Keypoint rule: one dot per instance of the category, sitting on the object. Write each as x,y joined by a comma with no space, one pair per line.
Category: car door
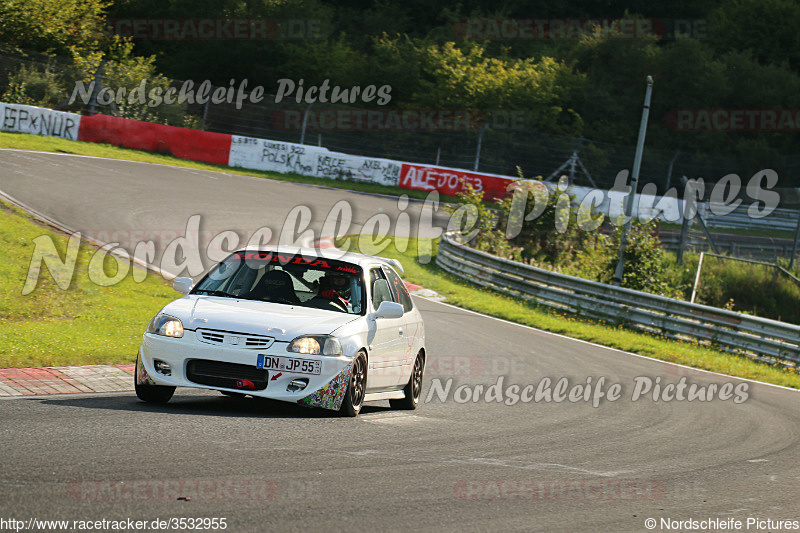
412,327
386,337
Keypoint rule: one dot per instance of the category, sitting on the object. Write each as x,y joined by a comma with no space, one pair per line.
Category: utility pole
637,163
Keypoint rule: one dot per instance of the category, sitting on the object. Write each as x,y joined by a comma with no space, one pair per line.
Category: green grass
89,324
468,296
86,324
25,141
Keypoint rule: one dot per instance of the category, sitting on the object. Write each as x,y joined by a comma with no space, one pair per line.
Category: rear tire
154,393
356,388
413,388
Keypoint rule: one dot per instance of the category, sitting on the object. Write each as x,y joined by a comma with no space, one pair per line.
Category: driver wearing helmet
335,287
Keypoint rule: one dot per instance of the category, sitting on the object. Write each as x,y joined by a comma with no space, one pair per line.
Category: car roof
362,260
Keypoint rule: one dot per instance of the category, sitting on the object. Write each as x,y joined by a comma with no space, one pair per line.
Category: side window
399,289
380,287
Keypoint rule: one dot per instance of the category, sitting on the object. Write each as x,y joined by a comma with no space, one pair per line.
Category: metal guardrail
672,318
739,218
767,249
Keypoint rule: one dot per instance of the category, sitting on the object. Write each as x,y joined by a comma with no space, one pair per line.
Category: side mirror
182,285
389,309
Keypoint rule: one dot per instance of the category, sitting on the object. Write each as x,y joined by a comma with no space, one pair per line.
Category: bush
749,288
478,223
552,234
645,260
35,86
548,232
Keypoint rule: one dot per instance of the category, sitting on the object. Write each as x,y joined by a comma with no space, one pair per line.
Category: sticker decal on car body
142,377
330,395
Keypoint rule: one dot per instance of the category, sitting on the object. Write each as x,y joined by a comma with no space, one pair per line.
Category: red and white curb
419,290
323,243
65,380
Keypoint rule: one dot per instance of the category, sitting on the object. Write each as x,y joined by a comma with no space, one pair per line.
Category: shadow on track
204,405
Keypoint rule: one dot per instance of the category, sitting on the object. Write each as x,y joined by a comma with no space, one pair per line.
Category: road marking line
538,466
653,359
398,420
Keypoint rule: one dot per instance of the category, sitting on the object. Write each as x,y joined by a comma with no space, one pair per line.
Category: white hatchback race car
296,326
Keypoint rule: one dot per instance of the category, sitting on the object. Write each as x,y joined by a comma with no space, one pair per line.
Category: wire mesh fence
497,150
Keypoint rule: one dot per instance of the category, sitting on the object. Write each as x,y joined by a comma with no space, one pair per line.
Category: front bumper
324,390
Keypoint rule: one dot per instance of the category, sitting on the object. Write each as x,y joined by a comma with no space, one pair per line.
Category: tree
466,78
765,28
53,26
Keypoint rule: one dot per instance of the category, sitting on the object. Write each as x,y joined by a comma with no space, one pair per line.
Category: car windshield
298,280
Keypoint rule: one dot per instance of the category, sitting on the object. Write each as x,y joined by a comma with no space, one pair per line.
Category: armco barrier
739,218
673,318
184,143
765,249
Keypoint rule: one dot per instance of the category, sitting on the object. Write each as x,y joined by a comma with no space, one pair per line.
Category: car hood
283,322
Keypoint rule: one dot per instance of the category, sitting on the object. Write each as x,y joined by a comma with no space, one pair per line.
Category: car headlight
316,345
165,325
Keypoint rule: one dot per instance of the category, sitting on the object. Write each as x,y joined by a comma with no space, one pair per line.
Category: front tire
413,388
356,388
154,393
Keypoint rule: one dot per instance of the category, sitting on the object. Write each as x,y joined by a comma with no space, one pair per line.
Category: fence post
480,141
796,238
305,120
707,232
98,74
205,112
669,170
697,277
684,232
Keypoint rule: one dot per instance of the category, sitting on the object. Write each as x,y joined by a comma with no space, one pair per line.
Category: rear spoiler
394,262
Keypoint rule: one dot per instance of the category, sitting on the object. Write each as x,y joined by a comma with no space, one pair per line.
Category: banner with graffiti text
451,181
39,121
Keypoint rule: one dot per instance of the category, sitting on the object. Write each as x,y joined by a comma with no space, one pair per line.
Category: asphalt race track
129,202
449,466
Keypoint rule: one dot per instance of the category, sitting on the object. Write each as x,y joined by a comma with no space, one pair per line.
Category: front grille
211,336
227,375
252,342
234,339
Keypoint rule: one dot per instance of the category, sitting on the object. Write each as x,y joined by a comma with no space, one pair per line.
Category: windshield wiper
211,292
